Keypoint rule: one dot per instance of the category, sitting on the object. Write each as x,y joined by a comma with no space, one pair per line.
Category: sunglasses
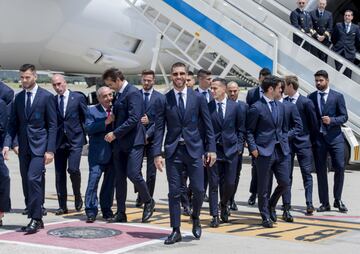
178,74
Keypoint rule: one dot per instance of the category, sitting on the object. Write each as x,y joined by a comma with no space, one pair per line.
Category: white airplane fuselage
79,37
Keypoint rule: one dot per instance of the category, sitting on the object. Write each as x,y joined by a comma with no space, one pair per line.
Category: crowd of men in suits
206,131
344,36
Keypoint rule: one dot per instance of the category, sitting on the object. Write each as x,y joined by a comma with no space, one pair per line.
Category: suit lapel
35,101
267,110
328,101
188,100
22,102
173,103
228,109
69,103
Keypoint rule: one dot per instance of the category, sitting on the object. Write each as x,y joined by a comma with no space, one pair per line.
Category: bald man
71,112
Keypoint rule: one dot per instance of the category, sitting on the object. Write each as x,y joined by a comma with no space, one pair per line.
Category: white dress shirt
33,93
207,93
183,94
223,106
66,99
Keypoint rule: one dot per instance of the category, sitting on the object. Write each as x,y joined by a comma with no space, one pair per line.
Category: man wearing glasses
184,148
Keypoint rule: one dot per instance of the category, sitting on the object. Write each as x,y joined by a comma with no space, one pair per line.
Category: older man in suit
152,101
184,148
253,96
346,40
33,120
71,111
129,140
268,143
331,115
323,24
229,128
99,122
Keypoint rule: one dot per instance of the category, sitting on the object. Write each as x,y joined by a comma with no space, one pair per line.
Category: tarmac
329,232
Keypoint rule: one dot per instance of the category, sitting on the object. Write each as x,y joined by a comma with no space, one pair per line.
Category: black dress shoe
25,212
1,223
323,208
187,211
266,223
341,206
34,226
252,199
61,211
174,237
287,216
44,211
78,203
119,217
90,219
148,210
196,228
138,202
224,213
273,216
215,222
309,209
233,206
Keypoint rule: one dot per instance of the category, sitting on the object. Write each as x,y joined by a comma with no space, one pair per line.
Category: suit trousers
106,191
128,165
175,165
336,152
279,164
237,178
5,204
67,158
221,176
150,169
305,159
253,182
32,171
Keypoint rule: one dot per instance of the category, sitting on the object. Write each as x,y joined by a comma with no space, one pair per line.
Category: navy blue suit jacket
346,44
72,124
37,132
253,95
263,132
335,108
128,110
3,121
309,120
100,151
6,93
157,100
293,123
322,24
196,110
229,133
301,20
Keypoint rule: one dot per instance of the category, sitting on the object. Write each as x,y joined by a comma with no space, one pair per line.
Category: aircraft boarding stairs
239,37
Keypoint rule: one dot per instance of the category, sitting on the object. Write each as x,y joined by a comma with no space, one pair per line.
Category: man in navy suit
331,115
152,101
229,128
190,80
268,143
99,121
33,120
6,93
322,23
253,96
300,145
232,90
5,205
301,19
346,39
129,140
71,112
204,80
184,148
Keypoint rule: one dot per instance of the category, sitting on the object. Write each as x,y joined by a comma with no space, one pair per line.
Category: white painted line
133,247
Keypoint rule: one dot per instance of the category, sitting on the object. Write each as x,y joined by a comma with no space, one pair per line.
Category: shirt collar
183,92
223,101
201,90
33,90
326,91
267,99
66,93
295,96
149,91
123,86
104,107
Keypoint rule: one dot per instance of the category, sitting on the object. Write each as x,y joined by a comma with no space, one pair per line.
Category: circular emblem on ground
84,232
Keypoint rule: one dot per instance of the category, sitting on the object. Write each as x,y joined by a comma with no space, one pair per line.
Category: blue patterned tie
273,110
146,100
322,102
220,112
28,104
205,95
181,105
61,105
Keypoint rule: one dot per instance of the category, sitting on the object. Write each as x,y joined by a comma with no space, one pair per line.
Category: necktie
146,100
322,102
347,28
321,14
108,112
61,105
273,110
181,105
28,104
205,95
292,100
220,112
